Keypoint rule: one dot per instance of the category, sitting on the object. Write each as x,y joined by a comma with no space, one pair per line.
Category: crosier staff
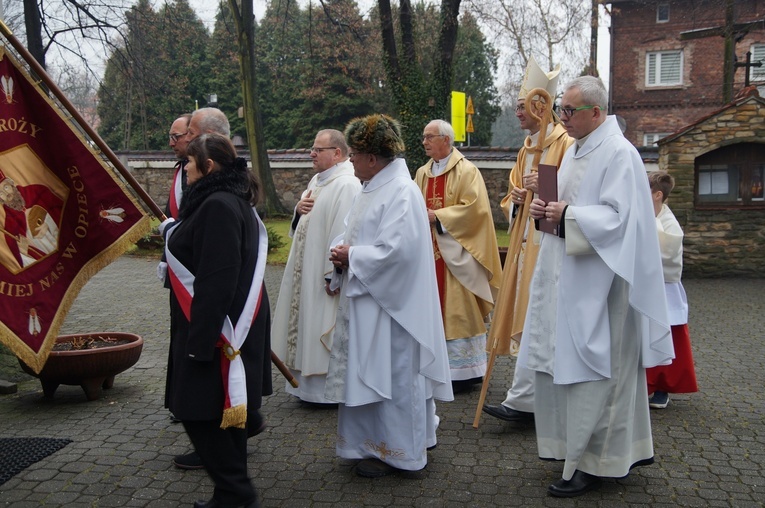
539,107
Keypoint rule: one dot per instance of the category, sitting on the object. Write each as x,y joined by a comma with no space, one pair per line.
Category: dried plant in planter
83,342
90,360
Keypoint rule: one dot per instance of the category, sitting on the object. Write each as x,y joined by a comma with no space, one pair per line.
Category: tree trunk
418,98
730,53
33,23
441,83
244,19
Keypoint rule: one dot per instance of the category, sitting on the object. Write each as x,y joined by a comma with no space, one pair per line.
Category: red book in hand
548,191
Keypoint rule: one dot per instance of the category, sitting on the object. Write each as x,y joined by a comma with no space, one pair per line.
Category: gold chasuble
466,253
513,298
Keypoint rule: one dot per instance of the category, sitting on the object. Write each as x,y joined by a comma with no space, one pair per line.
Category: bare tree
80,87
69,39
418,97
77,30
244,20
553,31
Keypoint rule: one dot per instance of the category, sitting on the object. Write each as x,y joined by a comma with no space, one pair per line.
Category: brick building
719,167
668,60
671,81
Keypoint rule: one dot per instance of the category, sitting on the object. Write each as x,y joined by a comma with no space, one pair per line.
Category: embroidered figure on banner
113,214
34,322
6,83
31,204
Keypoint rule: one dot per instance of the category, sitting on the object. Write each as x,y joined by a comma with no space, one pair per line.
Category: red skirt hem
680,375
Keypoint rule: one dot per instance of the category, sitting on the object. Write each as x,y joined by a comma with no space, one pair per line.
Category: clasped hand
551,212
518,194
338,255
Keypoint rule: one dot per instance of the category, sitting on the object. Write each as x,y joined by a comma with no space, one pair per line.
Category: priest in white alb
304,319
388,363
597,314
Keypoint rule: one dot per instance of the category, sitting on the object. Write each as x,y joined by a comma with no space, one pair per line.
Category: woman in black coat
216,239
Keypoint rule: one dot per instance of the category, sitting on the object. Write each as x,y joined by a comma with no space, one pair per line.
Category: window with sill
731,176
662,13
650,138
758,55
664,68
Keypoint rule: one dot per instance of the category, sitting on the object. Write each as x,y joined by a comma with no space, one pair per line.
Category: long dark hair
221,151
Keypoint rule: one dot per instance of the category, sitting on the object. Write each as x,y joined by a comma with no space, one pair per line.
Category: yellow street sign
458,115
469,127
470,110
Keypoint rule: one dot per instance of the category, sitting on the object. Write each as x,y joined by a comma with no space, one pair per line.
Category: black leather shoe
580,483
189,461
465,385
253,431
212,503
374,468
507,414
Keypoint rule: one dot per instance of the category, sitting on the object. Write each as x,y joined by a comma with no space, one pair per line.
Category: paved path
710,446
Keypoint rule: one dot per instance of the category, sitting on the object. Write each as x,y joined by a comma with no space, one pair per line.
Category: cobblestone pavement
710,446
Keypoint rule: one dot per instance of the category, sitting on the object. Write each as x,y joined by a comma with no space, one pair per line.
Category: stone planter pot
92,369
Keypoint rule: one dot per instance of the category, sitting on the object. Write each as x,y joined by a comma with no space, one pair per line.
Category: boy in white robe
680,376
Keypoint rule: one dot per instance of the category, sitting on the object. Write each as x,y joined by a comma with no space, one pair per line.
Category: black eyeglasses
428,137
175,137
569,112
318,149
519,108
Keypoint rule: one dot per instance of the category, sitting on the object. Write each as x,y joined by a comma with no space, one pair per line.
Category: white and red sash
231,337
176,191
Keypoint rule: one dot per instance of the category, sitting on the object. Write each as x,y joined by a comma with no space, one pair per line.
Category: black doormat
18,453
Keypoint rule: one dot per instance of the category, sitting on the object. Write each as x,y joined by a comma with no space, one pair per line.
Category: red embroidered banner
64,215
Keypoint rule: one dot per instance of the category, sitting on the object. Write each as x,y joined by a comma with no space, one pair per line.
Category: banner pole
43,76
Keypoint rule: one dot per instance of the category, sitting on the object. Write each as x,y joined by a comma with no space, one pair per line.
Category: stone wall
718,241
292,171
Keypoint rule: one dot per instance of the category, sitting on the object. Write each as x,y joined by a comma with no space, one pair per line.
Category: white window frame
758,55
650,138
714,180
659,8
657,56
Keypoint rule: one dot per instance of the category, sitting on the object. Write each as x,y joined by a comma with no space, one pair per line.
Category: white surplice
304,319
671,244
388,361
597,316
